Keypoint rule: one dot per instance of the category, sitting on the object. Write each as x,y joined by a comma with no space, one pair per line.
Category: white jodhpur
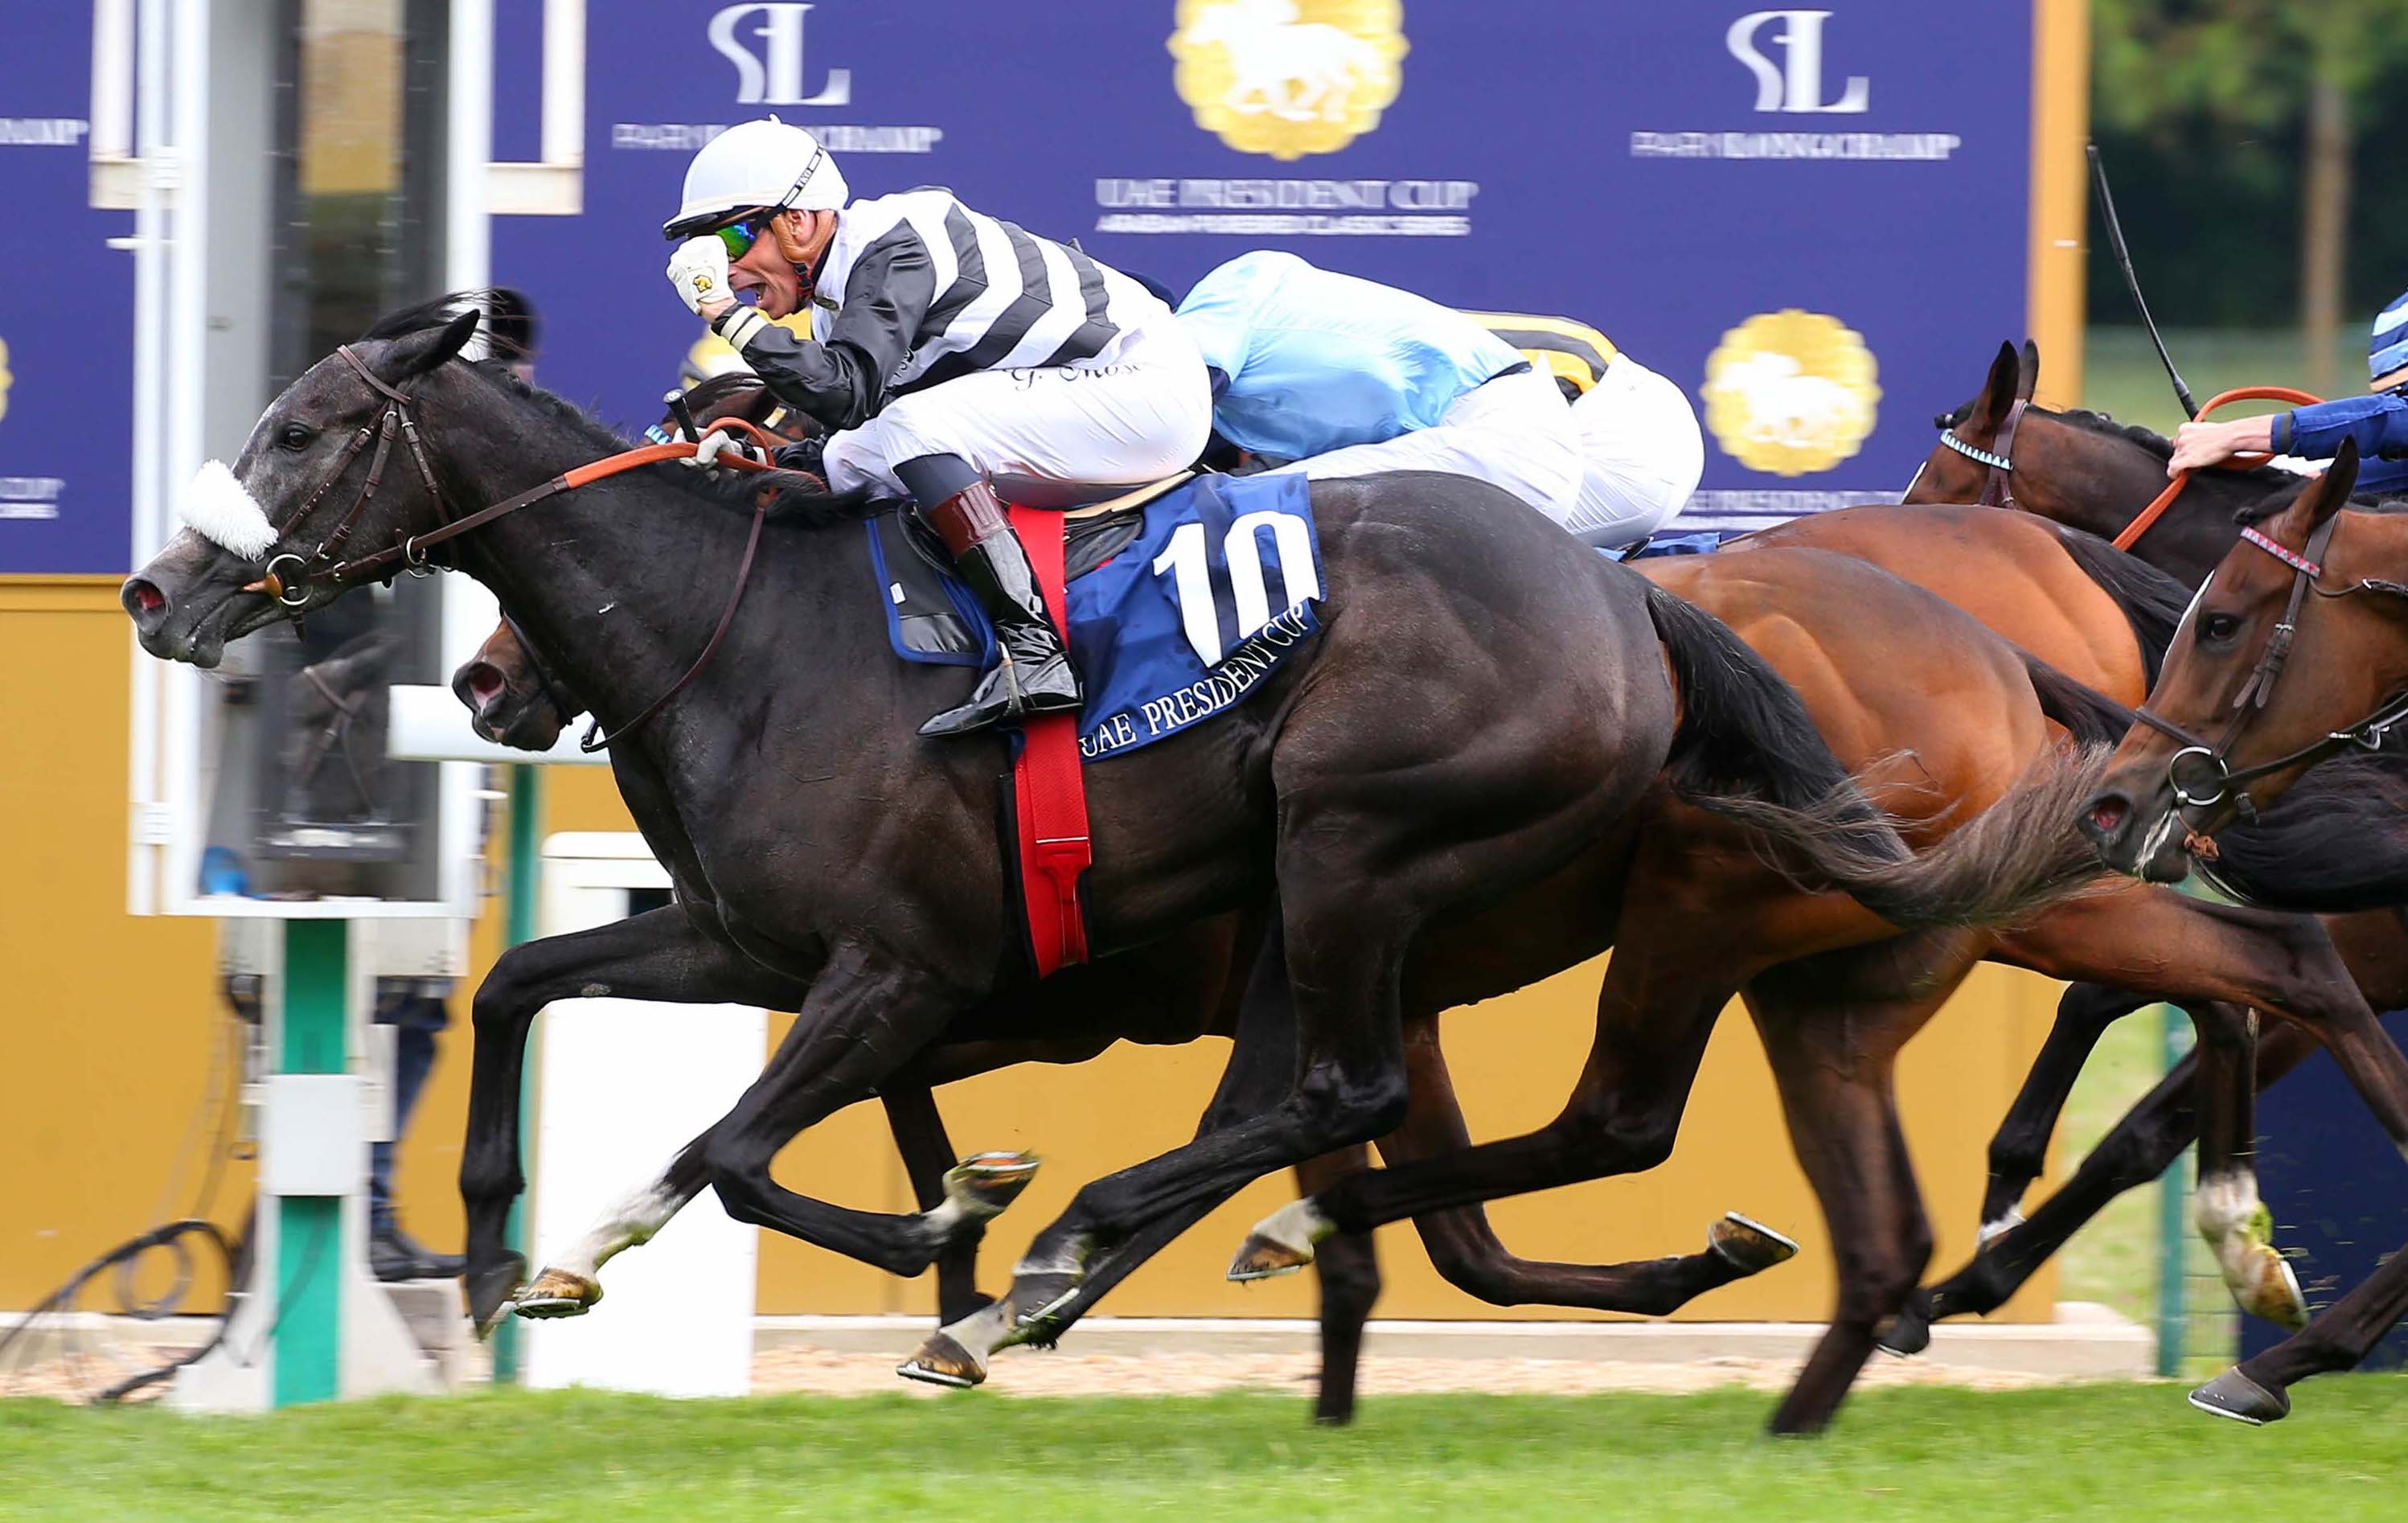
1515,432
1642,455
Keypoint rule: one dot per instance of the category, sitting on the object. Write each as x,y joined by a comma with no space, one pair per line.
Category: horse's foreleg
2339,1338
659,955
2136,1151
2019,1150
1349,1272
2161,943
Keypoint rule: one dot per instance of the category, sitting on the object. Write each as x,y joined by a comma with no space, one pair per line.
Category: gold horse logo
1288,78
1791,392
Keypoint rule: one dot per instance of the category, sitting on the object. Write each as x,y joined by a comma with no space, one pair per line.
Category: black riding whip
2132,282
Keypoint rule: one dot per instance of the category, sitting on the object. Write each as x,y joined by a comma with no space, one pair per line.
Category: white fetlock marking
1993,1230
631,1223
1298,1227
2228,1215
984,1332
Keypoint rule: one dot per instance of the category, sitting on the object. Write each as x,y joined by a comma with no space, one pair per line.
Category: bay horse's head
511,698
2081,469
2295,650
335,467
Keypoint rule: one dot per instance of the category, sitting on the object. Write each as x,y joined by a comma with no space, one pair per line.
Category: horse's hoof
489,1289
1036,1296
557,1293
2236,1396
1261,1258
985,1182
1748,1246
1908,1333
1282,1243
2270,1289
944,1362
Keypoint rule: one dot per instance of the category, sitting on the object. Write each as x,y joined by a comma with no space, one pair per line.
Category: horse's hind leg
1465,1250
1834,1057
2019,1150
659,955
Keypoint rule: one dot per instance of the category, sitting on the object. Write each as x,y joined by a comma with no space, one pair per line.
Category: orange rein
2156,507
585,475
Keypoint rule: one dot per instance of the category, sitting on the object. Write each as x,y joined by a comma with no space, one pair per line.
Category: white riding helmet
756,163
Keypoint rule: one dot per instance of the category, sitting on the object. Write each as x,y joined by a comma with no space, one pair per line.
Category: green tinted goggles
739,237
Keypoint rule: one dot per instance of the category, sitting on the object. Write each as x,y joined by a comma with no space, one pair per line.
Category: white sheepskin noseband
217,508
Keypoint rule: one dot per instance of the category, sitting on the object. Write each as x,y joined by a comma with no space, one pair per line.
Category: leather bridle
2213,776
409,554
1998,487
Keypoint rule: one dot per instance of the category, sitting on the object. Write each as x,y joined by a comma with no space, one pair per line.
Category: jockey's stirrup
1032,674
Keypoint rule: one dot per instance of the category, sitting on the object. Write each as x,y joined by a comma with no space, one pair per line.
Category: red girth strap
1048,784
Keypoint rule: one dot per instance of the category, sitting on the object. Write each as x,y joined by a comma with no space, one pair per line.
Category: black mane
801,497
2269,476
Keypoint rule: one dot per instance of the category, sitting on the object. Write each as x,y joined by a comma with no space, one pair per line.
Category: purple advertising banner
1815,222
66,325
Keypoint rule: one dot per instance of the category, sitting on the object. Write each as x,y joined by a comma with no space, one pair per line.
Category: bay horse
1886,993
2085,470
1477,712
2293,654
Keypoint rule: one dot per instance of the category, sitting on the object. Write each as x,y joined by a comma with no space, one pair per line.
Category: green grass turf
2122,1450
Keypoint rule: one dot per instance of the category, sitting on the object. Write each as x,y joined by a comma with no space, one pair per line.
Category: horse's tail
1747,749
2090,716
2153,602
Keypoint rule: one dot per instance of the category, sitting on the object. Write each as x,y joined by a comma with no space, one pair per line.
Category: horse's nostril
2106,815
485,683
144,598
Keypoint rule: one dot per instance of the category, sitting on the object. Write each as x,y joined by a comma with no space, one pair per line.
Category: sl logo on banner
1791,392
1288,78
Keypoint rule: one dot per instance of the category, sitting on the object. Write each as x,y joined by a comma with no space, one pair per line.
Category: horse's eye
2220,626
293,436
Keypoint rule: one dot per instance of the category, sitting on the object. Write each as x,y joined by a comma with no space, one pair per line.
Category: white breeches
1515,432
1643,454
1139,418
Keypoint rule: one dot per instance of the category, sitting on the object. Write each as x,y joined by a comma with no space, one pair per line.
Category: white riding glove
717,442
698,270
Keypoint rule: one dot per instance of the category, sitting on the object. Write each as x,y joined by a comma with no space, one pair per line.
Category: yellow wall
111,1020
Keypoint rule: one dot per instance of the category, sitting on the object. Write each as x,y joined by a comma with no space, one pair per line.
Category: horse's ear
2324,496
1999,392
415,353
2028,371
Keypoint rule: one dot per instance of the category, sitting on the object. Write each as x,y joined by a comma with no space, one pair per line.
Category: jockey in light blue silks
2377,421
1334,375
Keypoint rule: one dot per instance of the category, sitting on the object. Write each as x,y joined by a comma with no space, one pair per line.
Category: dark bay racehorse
2294,653
1830,1019
1480,710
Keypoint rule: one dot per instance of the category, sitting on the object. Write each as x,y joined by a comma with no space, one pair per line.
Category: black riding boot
1032,674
